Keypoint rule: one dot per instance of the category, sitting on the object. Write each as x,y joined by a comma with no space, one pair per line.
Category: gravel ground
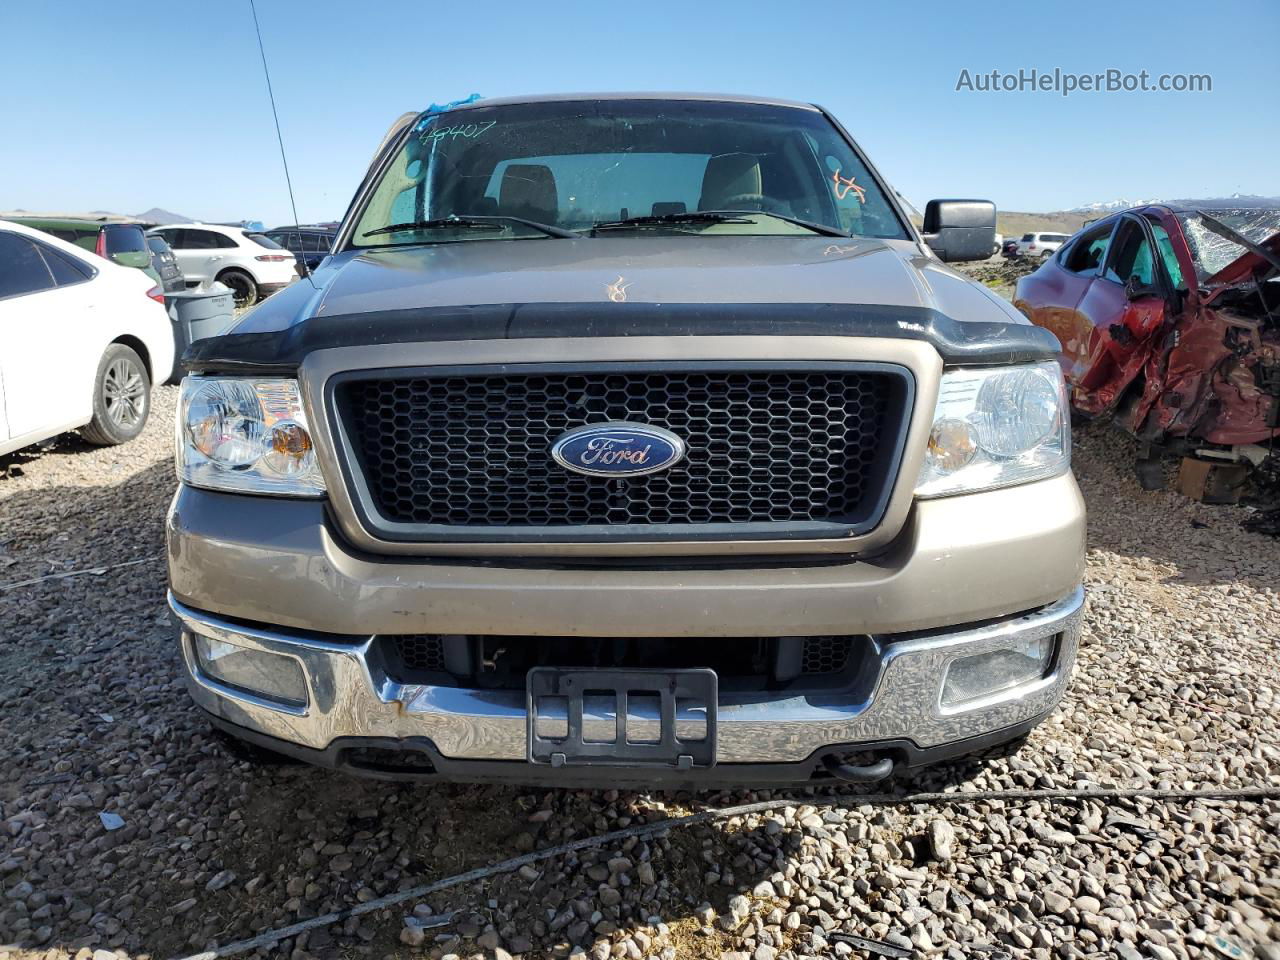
1176,686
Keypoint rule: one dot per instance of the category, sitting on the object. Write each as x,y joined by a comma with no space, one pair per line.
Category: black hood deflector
967,343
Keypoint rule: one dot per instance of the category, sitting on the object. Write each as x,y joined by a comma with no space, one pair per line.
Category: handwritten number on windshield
468,131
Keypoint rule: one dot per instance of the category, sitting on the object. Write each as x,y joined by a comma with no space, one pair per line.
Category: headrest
727,176
529,190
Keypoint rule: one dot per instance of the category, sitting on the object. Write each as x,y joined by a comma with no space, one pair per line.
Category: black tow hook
858,772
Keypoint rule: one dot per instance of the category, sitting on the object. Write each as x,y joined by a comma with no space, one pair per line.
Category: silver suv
1041,245
633,440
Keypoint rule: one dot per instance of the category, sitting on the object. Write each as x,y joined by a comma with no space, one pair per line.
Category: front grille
503,662
770,446
825,654
421,652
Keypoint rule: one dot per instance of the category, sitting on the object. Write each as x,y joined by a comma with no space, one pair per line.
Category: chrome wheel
124,393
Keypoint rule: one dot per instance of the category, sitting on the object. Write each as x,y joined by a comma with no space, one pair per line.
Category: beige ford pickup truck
629,439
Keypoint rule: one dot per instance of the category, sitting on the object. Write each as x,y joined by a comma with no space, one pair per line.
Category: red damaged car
1169,320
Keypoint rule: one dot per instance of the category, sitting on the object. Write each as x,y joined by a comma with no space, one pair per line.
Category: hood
654,270
628,287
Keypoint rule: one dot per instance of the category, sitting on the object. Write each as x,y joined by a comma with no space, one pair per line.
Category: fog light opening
983,675
268,676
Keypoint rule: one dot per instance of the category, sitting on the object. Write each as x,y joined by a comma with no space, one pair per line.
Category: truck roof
633,95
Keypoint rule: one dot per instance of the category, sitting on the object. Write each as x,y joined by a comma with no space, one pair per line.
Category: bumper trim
431,766
351,696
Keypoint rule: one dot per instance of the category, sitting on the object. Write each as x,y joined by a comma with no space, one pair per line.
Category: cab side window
1131,256
65,270
291,240
1088,251
22,269
203,240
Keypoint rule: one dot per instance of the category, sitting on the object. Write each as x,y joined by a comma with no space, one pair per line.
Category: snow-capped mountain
1109,206
1244,201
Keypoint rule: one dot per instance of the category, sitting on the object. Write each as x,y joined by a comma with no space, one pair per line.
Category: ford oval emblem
618,449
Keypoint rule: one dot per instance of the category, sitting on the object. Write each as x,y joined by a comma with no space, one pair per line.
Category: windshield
576,165
1211,251
263,240
124,239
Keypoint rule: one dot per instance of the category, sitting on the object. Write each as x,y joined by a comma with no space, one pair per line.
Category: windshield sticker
617,291
468,131
429,114
845,185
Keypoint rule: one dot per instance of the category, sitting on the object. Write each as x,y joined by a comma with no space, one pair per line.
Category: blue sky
134,104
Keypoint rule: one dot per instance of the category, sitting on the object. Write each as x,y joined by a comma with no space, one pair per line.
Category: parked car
165,264
120,242
310,243
1169,319
997,245
1040,244
253,265
629,440
81,341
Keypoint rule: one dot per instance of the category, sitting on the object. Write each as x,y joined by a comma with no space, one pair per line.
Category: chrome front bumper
350,696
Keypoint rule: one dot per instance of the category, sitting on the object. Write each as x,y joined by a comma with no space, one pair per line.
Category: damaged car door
1051,296
1124,309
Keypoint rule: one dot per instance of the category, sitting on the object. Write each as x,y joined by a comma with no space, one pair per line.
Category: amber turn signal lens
288,448
290,439
952,445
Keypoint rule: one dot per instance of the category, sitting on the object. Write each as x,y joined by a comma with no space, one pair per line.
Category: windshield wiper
485,222
694,216
715,216
822,228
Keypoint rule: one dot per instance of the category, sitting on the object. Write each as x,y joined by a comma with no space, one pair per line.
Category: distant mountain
160,215
154,215
1109,206
1011,223
1237,201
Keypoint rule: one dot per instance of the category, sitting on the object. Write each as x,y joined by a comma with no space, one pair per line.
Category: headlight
997,427
246,435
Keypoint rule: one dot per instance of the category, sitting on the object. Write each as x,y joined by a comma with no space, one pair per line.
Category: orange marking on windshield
845,186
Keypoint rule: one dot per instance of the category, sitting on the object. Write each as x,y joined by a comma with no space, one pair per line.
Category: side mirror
960,229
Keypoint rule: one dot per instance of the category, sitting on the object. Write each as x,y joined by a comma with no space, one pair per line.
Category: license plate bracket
660,718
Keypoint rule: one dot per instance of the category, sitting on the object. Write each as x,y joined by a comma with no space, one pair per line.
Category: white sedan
81,341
